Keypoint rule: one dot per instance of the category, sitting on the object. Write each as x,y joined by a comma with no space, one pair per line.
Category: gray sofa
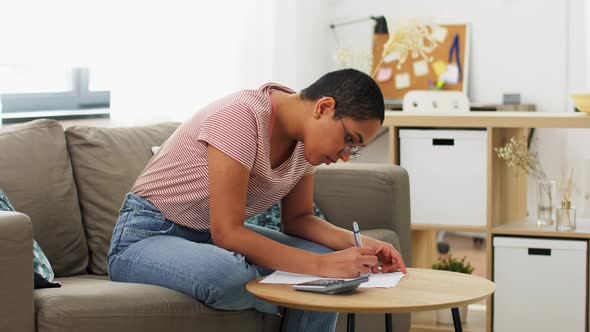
69,185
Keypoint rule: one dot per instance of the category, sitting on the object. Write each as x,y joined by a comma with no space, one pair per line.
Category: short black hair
356,94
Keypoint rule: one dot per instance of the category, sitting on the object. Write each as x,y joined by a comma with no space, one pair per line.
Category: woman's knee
225,286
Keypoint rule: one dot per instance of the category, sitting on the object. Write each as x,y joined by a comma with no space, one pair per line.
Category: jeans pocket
142,224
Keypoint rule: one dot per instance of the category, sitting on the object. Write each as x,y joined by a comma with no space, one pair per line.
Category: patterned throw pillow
41,264
271,218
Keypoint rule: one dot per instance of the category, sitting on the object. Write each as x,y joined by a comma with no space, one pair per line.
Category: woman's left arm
298,220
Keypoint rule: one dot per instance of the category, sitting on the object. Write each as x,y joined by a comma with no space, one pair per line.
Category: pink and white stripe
176,179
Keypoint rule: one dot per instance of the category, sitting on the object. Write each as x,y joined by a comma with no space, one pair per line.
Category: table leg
388,323
456,320
350,322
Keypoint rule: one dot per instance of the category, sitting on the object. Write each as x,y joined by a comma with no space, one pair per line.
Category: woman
182,226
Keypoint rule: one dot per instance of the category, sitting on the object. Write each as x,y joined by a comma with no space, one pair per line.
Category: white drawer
447,170
540,284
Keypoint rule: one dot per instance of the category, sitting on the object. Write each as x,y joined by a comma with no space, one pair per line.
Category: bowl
582,101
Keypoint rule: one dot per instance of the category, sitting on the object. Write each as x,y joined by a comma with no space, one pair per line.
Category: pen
357,234
357,240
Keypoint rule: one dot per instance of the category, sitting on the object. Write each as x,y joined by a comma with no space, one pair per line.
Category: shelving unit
506,191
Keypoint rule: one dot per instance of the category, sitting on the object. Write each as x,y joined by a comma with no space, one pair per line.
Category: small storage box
540,284
448,175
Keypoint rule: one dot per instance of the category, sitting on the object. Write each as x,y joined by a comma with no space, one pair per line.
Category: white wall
535,48
578,68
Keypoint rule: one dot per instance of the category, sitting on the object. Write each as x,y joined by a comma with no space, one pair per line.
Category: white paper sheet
377,280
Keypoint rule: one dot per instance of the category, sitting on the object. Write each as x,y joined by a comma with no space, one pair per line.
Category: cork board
394,82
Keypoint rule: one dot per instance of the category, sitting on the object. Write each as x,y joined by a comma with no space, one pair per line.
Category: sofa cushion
37,176
94,303
106,162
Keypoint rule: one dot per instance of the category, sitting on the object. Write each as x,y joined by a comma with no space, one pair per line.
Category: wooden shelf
487,119
426,321
450,228
528,227
506,191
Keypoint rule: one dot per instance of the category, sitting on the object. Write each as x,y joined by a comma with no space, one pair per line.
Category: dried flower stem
517,156
566,185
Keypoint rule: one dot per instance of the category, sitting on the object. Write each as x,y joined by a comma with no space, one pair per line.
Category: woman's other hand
389,258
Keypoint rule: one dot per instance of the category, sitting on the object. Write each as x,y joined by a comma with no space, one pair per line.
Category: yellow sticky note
439,67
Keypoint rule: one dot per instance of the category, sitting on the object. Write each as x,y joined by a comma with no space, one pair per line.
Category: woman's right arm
228,184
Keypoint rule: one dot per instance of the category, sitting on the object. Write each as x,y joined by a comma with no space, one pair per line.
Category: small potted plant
455,265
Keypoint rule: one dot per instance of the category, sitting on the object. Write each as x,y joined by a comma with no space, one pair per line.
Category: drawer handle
539,252
443,141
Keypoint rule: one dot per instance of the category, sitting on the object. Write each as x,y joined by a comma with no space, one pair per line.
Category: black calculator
330,286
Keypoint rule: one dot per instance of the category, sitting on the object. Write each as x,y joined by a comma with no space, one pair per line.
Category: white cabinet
540,284
447,170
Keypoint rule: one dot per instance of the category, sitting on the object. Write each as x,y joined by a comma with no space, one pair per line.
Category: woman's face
329,139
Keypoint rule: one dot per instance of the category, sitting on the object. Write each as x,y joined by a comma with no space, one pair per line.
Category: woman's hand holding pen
347,263
390,260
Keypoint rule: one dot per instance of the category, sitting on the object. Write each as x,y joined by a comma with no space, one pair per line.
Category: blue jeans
147,248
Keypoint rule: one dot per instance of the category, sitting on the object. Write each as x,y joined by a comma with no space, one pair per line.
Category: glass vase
545,202
565,216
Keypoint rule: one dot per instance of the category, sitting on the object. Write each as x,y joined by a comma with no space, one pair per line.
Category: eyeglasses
350,150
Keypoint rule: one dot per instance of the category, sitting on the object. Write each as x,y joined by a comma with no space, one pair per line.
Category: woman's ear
325,106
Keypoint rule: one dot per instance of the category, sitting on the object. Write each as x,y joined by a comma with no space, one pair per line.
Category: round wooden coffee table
419,290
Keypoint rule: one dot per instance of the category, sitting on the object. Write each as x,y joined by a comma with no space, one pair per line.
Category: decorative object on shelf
545,202
435,101
582,101
565,214
454,265
518,157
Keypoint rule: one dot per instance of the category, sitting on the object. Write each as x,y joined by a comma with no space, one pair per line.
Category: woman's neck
288,117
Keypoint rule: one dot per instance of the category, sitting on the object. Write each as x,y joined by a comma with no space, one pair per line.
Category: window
34,91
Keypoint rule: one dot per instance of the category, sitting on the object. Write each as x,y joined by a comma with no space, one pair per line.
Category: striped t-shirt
176,179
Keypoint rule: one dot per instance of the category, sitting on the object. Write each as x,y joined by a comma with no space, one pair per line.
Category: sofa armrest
16,272
377,196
